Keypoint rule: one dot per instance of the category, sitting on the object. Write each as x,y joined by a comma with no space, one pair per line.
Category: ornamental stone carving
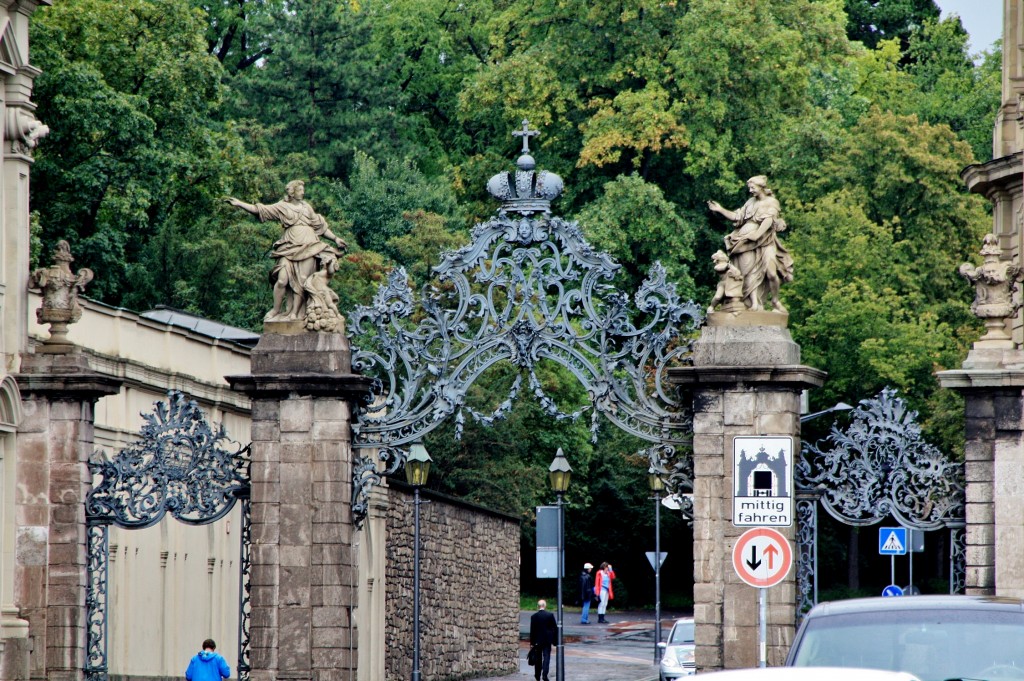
995,282
302,259
24,130
754,247
60,288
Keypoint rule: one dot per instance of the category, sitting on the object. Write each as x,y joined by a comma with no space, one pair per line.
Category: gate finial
526,191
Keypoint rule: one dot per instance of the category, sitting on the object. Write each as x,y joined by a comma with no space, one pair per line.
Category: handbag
533,657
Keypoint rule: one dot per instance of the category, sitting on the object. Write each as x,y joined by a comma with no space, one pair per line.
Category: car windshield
933,645
682,632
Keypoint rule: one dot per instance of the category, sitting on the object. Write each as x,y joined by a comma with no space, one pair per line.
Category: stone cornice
351,387
71,387
997,174
967,380
793,377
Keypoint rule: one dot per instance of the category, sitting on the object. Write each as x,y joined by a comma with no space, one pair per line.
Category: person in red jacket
603,590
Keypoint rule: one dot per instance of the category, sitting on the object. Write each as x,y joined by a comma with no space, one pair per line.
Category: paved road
622,650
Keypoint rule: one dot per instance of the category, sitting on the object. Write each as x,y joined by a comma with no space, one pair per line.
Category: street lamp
841,406
417,469
559,473
657,485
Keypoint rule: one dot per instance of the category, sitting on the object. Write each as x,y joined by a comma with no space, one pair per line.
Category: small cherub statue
995,282
729,293
321,301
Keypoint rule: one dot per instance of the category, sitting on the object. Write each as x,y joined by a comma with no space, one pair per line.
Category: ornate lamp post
559,473
417,469
657,485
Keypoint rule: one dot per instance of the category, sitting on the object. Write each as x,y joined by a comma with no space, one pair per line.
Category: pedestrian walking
586,592
543,634
603,590
207,664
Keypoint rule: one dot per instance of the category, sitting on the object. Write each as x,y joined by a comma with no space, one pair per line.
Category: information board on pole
763,481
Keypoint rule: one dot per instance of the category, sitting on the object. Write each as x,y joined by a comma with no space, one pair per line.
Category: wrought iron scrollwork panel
98,547
527,289
881,466
182,466
807,554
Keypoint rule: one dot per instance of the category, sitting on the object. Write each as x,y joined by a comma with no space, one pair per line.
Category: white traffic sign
762,481
762,557
650,559
892,541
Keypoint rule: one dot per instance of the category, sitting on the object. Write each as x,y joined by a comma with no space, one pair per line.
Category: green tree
872,21
326,91
135,157
633,222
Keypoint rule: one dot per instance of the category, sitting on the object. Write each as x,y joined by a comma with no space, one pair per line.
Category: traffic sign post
762,558
892,542
763,481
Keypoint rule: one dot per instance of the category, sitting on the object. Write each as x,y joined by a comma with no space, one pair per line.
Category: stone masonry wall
469,589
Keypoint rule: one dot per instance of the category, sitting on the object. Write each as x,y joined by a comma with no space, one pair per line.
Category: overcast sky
983,19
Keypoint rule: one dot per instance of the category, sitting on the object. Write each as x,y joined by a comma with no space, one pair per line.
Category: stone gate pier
304,562
746,379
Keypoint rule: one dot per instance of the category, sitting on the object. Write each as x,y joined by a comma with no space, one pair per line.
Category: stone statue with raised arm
754,247
299,252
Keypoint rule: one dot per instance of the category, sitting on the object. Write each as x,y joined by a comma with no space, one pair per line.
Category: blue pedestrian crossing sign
892,541
892,590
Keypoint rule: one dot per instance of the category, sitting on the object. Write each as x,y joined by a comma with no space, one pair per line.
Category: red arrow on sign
770,552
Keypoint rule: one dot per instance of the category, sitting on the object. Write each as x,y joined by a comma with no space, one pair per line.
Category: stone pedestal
746,381
304,564
992,383
55,441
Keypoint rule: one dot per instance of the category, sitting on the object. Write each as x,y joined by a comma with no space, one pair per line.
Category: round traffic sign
762,557
892,590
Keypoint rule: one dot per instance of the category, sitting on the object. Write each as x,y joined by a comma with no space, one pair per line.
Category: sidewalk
622,650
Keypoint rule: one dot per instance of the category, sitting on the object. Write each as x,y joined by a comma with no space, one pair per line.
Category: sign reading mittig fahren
763,481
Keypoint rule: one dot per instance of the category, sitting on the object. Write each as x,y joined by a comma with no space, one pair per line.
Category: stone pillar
372,587
304,564
992,383
746,379
55,441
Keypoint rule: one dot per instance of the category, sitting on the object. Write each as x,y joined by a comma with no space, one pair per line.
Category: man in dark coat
586,592
543,633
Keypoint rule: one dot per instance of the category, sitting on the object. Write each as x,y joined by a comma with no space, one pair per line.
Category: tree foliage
861,113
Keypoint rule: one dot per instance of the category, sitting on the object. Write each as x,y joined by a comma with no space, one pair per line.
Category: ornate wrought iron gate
528,288
180,465
879,466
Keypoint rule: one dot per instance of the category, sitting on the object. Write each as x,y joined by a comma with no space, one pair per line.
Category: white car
677,652
934,637
809,674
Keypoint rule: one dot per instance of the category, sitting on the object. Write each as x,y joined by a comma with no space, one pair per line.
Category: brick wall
469,589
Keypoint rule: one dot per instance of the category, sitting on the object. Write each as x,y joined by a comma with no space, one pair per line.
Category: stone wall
469,588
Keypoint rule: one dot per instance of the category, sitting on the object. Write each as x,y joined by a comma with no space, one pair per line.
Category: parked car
934,637
809,674
677,651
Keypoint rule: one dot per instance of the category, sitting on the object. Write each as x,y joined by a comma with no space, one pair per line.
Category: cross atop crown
526,134
525,191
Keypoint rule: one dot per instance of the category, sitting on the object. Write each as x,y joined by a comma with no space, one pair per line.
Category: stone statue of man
298,252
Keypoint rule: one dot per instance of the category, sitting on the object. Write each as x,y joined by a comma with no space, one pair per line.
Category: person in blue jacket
207,664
